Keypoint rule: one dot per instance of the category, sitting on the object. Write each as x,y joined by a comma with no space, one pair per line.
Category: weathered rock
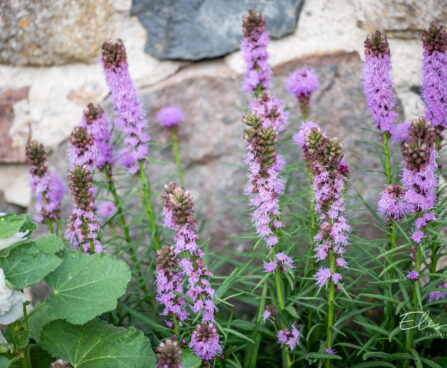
199,29
10,151
211,144
399,18
42,32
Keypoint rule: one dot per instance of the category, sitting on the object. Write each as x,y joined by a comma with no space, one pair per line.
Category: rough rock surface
48,32
199,29
211,144
10,151
399,18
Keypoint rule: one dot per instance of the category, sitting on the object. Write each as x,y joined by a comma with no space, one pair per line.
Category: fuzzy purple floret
271,110
131,117
170,116
106,209
302,82
392,203
205,342
412,275
255,54
378,85
438,294
95,121
290,337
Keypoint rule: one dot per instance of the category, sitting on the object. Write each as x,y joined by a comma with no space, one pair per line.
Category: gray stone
199,29
47,32
399,18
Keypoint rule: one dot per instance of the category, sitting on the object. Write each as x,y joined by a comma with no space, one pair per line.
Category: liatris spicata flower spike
258,74
271,111
392,202
179,215
131,116
419,173
264,183
437,295
169,354
170,116
377,82
324,158
434,75
302,83
169,283
94,120
205,341
83,229
291,338
82,149
49,189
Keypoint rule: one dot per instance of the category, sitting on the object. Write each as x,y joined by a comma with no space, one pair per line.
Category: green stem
27,362
112,189
331,307
50,221
175,326
387,158
281,301
174,138
149,210
415,302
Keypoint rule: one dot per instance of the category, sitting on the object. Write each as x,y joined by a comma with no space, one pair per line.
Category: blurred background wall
184,52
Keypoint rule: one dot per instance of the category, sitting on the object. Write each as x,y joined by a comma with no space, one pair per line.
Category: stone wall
50,72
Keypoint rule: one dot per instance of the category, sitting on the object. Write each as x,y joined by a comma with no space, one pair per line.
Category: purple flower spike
377,82
179,216
49,189
83,229
271,110
170,116
82,149
258,73
302,83
131,118
291,338
95,122
264,184
434,75
205,342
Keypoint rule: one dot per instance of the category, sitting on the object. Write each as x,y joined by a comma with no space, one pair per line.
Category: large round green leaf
86,286
26,265
97,345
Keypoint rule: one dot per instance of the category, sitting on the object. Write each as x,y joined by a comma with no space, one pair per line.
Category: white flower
6,242
11,302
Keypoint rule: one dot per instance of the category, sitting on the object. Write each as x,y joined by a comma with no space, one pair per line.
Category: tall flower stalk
179,216
420,178
434,94
378,90
325,158
49,189
258,74
130,120
83,229
263,188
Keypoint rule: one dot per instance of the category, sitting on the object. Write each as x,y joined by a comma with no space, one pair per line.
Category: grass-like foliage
134,285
